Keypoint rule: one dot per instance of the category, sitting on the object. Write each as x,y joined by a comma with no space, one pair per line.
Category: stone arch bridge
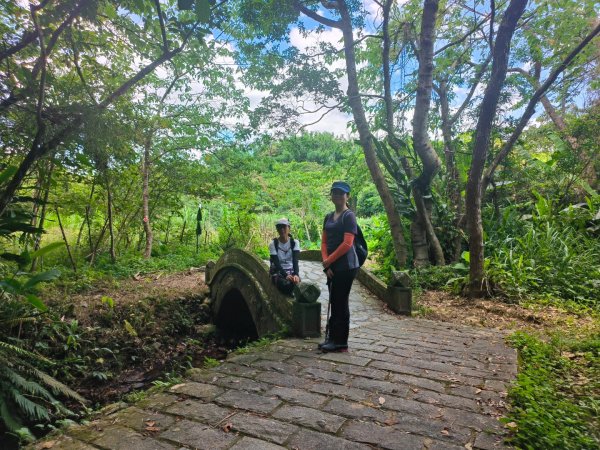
405,384
246,304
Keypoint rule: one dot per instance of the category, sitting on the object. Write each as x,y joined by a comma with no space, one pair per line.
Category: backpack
292,244
272,268
360,244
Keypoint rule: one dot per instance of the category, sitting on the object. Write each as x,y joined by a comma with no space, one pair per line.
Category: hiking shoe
331,347
321,344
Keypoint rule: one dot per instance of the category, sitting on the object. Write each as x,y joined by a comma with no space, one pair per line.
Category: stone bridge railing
246,304
397,295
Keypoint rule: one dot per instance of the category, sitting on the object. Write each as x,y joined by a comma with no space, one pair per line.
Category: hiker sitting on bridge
284,251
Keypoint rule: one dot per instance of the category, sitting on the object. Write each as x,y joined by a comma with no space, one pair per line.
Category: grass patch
210,362
556,397
258,344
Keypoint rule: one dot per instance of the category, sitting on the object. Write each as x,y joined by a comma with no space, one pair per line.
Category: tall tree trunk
109,212
421,143
168,229
421,239
88,211
98,241
182,234
64,235
38,239
85,219
453,181
481,145
366,139
145,197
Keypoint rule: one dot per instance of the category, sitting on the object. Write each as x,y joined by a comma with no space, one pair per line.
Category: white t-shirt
284,253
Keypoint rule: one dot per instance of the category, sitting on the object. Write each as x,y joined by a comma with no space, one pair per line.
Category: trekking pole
327,323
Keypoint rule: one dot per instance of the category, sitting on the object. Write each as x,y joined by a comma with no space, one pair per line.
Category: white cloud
309,40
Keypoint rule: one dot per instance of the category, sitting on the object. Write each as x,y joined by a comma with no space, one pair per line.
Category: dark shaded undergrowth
104,349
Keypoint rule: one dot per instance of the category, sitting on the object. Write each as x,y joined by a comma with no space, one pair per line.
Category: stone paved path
365,308
405,384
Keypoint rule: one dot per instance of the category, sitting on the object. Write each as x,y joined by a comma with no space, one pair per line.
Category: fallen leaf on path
415,390
153,429
227,427
468,446
48,444
150,423
511,425
381,400
445,432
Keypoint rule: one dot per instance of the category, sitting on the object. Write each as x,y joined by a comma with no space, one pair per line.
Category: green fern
57,387
32,410
10,420
28,395
9,323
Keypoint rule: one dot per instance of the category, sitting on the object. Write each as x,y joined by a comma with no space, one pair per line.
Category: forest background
469,127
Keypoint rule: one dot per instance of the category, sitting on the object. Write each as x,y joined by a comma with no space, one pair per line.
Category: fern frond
8,360
57,387
19,320
61,409
26,386
30,409
21,351
10,420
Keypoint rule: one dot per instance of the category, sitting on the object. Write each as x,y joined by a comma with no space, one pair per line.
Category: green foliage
555,398
210,362
259,343
28,395
547,255
438,277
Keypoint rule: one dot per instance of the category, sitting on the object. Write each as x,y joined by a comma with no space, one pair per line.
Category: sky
335,122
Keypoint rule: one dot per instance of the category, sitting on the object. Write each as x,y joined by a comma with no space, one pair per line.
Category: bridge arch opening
234,319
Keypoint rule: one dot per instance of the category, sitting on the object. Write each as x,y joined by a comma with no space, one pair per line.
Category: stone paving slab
404,384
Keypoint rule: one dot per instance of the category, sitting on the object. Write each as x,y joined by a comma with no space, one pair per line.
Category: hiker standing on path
340,264
284,251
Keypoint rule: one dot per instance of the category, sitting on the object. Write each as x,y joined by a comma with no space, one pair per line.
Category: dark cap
341,185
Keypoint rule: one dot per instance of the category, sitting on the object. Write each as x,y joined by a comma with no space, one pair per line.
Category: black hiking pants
339,291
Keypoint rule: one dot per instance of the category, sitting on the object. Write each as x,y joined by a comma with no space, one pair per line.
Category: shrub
549,410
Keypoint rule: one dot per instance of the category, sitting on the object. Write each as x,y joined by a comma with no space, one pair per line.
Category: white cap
283,221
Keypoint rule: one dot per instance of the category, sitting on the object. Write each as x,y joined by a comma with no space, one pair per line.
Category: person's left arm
349,223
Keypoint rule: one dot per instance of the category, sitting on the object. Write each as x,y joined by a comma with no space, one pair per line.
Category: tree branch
313,15
163,32
529,111
476,82
39,150
463,37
